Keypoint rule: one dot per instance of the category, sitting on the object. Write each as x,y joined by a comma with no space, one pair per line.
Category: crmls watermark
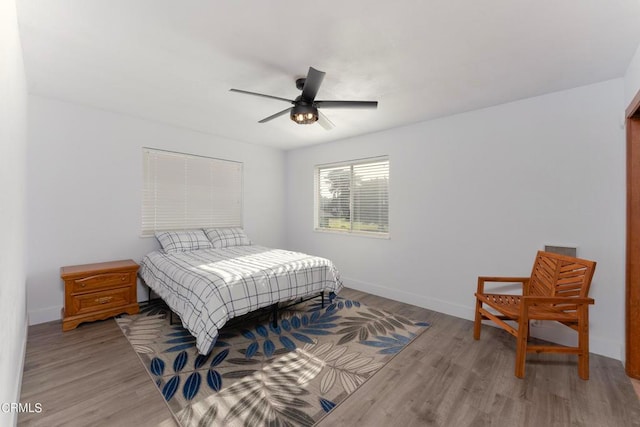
13,407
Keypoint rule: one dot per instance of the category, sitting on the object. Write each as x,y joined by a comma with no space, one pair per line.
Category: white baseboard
554,333
43,315
423,301
559,334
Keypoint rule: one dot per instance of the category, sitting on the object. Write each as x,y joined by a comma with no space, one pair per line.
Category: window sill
384,236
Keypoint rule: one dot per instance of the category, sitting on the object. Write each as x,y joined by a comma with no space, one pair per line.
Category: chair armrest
488,279
503,279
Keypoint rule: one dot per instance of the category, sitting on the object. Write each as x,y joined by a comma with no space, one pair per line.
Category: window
183,191
353,197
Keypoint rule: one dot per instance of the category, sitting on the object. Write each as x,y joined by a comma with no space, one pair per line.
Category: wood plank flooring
91,377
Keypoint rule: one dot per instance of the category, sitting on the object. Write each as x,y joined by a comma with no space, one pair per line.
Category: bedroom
460,178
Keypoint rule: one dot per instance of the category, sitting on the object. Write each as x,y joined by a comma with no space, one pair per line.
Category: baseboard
423,301
561,335
554,333
43,315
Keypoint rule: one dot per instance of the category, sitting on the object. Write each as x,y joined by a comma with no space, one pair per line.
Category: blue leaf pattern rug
292,374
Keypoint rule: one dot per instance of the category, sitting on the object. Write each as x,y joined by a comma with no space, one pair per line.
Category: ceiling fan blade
261,94
281,113
312,84
346,104
324,121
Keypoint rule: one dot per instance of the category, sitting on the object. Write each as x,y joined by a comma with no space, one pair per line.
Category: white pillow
227,237
181,241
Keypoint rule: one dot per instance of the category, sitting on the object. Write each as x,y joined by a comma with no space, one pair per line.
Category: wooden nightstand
98,291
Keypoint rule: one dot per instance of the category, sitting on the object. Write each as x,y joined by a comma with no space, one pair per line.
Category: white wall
13,142
85,183
632,78
477,194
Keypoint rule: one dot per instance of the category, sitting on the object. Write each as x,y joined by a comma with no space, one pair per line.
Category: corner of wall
21,358
632,78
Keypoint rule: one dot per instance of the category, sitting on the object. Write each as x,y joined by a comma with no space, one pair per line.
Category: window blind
371,197
353,196
183,191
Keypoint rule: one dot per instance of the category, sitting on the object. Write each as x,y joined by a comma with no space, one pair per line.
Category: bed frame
273,307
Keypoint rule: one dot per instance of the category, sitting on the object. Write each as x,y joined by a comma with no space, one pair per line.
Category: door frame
632,297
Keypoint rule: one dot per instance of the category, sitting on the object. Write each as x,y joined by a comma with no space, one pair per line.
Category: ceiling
175,61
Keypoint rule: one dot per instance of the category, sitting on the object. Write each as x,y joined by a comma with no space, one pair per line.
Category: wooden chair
557,290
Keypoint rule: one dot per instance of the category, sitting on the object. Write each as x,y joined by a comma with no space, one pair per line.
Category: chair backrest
558,275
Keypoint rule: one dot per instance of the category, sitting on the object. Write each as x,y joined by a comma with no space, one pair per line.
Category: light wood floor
91,377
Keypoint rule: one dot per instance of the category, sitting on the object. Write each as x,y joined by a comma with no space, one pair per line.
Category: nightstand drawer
98,291
100,281
96,301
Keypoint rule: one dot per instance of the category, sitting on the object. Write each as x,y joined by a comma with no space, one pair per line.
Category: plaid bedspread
208,287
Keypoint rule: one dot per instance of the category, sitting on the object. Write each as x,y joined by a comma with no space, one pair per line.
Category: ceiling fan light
304,114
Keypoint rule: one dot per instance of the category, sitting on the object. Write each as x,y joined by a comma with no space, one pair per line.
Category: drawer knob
123,278
103,300
82,285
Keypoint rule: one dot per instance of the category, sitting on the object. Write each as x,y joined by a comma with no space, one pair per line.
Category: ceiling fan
305,106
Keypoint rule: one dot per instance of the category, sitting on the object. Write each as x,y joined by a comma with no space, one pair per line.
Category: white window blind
183,191
353,196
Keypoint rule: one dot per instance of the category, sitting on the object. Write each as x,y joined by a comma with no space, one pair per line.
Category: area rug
292,374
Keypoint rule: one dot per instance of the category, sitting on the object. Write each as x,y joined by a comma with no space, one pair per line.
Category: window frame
317,197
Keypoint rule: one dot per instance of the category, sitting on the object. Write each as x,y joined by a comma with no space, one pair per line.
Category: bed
210,276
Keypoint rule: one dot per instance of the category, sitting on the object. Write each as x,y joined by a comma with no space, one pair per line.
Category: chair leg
477,325
521,346
583,342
